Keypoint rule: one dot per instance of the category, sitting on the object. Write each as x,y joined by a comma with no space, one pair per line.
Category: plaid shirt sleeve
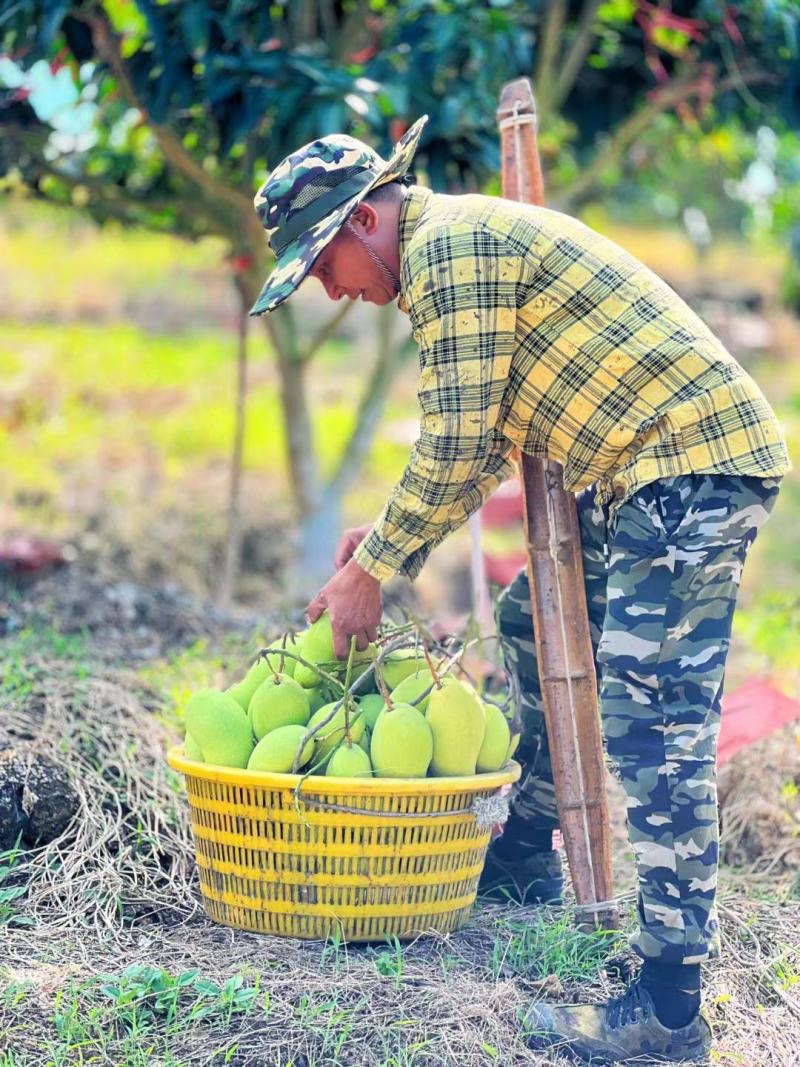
461,292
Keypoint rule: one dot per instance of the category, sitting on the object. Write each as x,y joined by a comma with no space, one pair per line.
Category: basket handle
487,810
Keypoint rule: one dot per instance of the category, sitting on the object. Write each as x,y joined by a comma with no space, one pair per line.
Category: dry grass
116,896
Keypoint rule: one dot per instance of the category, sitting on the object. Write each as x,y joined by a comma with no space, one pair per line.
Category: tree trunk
318,509
298,428
317,538
233,541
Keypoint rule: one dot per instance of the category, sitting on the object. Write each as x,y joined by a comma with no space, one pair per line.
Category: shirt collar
414,203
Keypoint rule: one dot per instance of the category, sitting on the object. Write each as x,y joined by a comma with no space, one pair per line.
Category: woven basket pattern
364,860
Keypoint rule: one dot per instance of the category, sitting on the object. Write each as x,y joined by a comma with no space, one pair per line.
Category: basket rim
321,784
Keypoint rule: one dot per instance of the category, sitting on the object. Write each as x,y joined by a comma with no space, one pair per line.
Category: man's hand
349,542
352,599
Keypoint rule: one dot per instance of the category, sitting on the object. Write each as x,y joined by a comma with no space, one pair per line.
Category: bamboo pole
558,596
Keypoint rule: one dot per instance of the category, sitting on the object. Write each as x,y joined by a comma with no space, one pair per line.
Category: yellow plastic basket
363,859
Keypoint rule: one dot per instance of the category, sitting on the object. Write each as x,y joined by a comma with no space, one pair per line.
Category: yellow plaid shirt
535,331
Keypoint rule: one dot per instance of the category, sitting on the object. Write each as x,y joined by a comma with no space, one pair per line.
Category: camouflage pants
661,586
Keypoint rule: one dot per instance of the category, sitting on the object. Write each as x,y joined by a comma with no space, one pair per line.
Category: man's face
346,268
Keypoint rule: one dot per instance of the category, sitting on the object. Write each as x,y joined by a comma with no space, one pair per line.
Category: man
536,332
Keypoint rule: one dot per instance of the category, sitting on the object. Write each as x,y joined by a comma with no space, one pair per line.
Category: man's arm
497,469
462,302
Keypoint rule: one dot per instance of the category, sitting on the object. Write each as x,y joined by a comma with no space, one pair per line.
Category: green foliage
11,888
27,656
238,86
550,945
772,626
135,1014
390,962
142,994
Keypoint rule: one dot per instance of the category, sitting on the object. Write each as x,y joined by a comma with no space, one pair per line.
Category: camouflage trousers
661,582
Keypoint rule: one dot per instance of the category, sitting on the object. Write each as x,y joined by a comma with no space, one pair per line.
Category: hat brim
297,259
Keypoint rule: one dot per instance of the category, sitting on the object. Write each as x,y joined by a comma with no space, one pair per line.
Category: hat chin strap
387,271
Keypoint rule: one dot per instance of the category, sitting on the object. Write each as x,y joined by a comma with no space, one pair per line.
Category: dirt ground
108,957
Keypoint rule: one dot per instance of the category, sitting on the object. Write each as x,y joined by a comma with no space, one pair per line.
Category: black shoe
538,878
622,1030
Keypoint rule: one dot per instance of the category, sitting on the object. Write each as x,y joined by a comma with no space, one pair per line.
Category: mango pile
291,711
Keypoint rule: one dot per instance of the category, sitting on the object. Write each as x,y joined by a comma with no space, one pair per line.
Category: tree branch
233,539
634,126
328,329
370,408
107,44
578,51
547,54
351,31
128,209
297,425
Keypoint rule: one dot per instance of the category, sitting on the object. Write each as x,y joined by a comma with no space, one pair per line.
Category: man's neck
392,216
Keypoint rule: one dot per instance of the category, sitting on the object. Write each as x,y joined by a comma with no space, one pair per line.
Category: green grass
96,403
135,1018
390,962
11,888
550,945
27,655
91,272
131,1018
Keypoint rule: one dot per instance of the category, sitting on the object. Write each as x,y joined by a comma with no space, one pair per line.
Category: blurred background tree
168,115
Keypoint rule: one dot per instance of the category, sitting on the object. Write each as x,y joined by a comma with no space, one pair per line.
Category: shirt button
619,491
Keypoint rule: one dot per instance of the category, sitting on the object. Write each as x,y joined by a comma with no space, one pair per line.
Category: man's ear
365,218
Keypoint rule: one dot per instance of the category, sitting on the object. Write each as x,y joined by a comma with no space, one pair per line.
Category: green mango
349,761
400,664
275,703
496,741
276,751
458,721
365,740
324,693
371,706
410,690
316,646
332,734
512,748
243,690
402,743
191,749
289,664
264,667
220,727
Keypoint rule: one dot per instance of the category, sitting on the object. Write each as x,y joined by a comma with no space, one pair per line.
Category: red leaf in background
397,127
729,24
363,55
651,18
239,264
503,508
753,711
657,68
25,554
61,59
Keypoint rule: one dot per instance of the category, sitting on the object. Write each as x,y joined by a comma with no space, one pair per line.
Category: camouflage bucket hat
308,197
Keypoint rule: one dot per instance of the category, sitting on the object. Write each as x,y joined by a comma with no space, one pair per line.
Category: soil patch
123,621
